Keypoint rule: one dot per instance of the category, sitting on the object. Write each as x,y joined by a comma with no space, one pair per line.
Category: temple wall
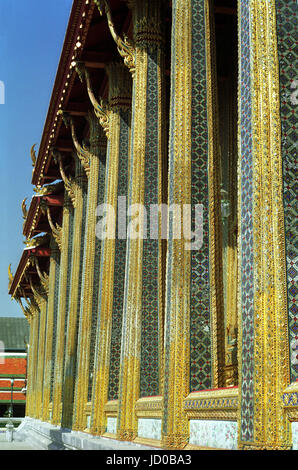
129,337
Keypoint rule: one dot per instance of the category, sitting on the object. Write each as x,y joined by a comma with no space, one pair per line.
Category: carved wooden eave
87,40
20,286
77,27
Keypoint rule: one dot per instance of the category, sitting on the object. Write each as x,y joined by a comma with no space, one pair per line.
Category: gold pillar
177,354
30,359
89,306
50,325
119,104
34,356
41,298
269,426
65,274
80,190
147,157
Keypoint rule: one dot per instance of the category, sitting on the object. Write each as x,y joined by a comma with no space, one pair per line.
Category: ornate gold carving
31,309
82,152
37,241
24,209
221,404
65,256
175,423
33,155
271,347
48,189
44,277
10,277
130,366
149,407
56,228
290,401
100,107
125,47
215,251
83,367
117,89
69,182
49,360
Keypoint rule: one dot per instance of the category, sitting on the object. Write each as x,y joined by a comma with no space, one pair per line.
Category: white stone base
111,425
214,434
149,428
45,436
295,435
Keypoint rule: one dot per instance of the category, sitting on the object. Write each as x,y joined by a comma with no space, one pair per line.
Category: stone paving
4,445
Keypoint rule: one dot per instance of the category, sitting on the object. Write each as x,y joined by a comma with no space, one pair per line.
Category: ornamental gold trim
148,442
125,47
149,407
221,404
290,402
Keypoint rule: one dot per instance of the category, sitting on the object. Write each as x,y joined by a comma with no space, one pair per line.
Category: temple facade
158,274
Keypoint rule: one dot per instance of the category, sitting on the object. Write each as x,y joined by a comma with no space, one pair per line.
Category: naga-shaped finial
33,155
10,276
125,47
24,209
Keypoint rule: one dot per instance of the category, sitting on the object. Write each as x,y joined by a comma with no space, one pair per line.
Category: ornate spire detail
100,107
33,155
69,182
125,47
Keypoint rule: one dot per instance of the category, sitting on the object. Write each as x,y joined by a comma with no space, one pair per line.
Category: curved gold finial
100,108
10,276
125,47
44,277
82,152
24,209
33,155
69,183
56,229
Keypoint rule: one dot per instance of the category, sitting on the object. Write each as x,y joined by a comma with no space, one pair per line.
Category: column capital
120,85
147,23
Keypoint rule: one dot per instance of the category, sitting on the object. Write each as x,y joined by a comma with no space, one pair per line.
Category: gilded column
41,298
288,90
64,294
29,367
113,248
80,196
51,327
264,357
90,289
194,333
141,350
34,356
30,359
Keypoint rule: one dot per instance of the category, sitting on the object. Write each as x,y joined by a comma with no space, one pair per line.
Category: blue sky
31,39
